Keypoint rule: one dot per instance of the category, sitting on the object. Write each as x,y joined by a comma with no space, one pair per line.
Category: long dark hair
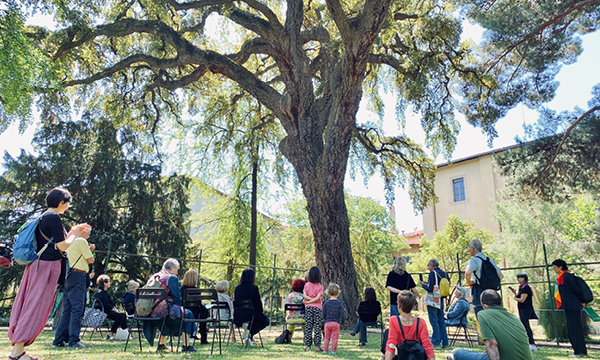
370,295
248,276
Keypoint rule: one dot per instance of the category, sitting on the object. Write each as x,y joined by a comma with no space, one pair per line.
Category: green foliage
372,236
533,168
126,200
24,69
221,229
451,242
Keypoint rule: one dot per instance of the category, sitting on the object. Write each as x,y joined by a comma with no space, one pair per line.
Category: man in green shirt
504,335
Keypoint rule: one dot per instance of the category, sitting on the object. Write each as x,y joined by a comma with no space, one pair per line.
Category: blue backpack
24,250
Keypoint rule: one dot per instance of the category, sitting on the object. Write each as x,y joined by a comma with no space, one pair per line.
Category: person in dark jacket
568,296
120,319
128,299
246,290
524,298
460,306
373,308
436,315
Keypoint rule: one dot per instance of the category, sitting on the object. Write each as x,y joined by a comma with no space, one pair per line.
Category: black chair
156,295
458,327
292,307
246,304
194,297
217,307
378,323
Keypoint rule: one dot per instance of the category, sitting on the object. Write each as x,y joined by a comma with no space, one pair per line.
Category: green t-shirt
497,323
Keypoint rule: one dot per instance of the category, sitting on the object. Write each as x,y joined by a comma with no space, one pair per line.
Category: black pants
575,331
525,315
120,320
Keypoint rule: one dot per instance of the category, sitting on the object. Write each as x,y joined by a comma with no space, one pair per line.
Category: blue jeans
190,327
69,325
438,325
362,326
464,354
394,310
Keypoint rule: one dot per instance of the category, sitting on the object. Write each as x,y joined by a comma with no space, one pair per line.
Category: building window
459,189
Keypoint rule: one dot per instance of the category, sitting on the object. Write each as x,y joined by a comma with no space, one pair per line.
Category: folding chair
246,304
216,308
157,295
458,327
194,297
292,307
378,323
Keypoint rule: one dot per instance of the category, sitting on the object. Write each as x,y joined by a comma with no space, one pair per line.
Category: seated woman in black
120,319
246,290
373,308
190,279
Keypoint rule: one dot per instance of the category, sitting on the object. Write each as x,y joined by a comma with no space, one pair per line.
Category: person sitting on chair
120,319
246,290
295,318
128,299
372,306
453,316
190,279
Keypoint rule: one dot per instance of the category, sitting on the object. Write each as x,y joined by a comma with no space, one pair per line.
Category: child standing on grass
333,313
313,316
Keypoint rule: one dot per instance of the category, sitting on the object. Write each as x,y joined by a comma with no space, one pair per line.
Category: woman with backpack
34,298
435,310
408,333
568,295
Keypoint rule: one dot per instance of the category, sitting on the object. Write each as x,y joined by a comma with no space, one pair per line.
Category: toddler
333,313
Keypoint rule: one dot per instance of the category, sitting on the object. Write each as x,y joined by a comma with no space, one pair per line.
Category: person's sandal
319,349
305,349
32,357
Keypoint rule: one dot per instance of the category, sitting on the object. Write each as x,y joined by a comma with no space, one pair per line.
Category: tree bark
253,215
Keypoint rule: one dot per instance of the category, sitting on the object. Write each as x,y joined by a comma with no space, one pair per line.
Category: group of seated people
173,306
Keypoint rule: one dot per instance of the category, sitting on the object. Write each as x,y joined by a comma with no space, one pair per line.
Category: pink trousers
33,301
332,331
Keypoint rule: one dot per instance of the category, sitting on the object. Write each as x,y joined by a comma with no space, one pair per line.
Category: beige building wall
481,183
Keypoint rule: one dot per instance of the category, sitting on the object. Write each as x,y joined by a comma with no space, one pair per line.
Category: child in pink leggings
333,313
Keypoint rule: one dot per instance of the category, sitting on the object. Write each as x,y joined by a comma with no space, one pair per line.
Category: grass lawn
347,349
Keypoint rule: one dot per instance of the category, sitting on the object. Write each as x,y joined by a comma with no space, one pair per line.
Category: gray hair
434,263
222,286
132,284
399,265
461,290
170,263
476,244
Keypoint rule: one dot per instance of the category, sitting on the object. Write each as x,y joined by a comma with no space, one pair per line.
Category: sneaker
333,353
361,344
352,333
449,357
574,356
59,345
437,346
188,349
532,347
79,345
445,346
163,347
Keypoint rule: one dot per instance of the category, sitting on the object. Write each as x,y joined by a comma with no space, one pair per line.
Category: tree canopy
309,63
119,192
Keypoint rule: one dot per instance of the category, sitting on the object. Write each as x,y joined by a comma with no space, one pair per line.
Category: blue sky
576,82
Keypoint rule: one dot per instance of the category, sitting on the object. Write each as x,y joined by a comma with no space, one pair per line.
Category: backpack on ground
24,250
444,285
586,293
489,276
410,349
144,307
284,338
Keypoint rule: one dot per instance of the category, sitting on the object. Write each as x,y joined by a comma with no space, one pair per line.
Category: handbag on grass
93,317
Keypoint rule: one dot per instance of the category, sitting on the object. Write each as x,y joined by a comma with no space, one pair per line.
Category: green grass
347,349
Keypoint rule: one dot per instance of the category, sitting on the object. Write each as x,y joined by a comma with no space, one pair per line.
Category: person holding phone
525,304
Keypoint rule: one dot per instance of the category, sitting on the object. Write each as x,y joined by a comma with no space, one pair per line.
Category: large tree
309,63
